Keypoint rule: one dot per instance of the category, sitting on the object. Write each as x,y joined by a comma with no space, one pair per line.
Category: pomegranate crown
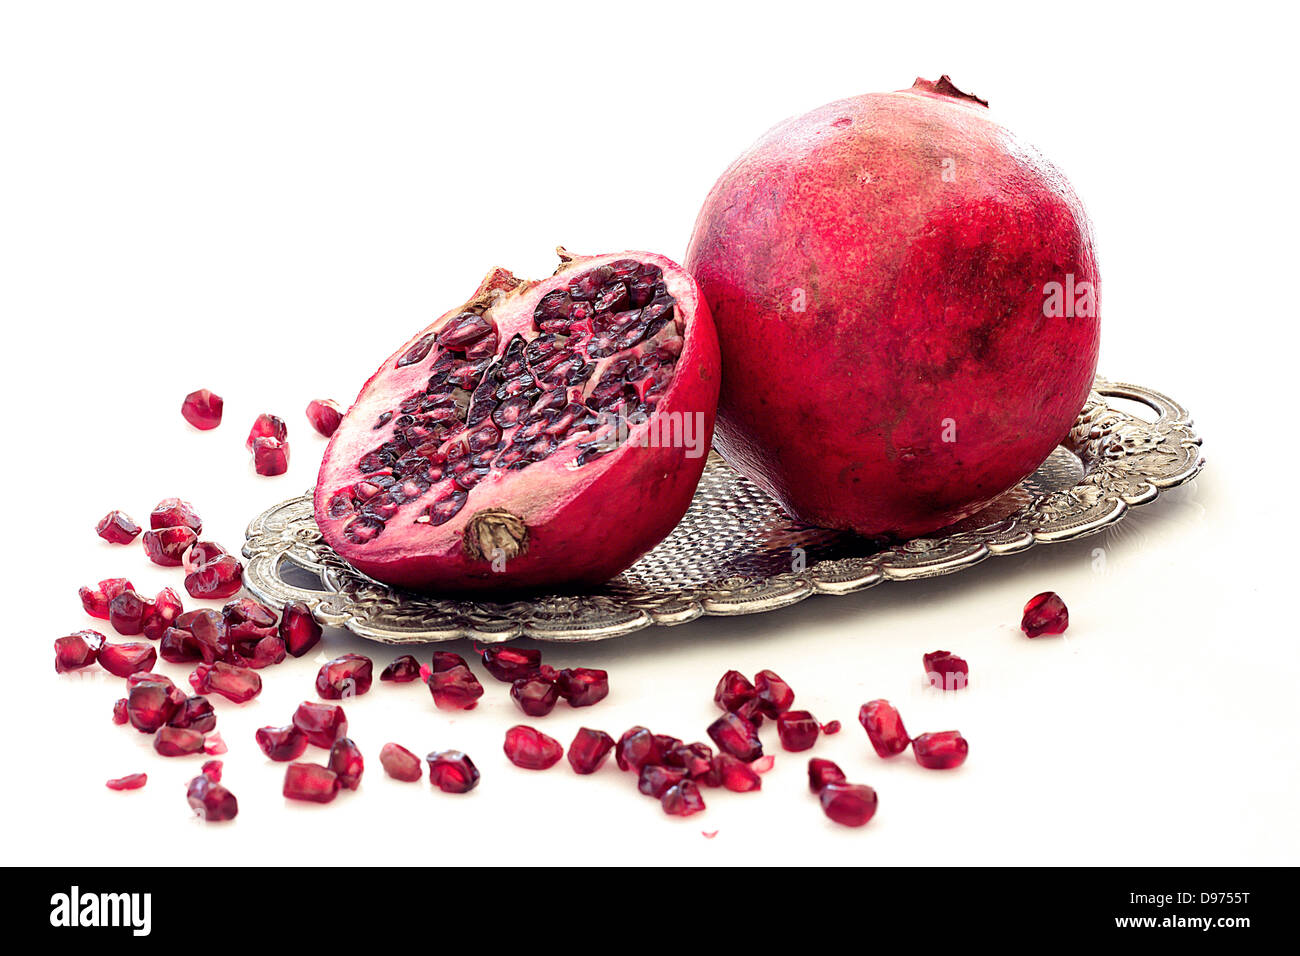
944,86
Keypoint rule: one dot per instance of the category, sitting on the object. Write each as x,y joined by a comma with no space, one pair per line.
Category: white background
265,198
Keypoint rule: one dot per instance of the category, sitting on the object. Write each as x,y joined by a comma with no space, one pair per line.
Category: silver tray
737,552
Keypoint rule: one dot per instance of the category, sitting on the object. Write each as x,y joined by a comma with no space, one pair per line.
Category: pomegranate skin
582,527
878,272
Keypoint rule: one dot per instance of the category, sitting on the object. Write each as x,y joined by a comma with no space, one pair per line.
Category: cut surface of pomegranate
310,782
531,749
848,804
589,750
132,781
476,455
116,527
399,763
324,415
202,409
946,670
452,771
884,727
348,675
1045,613
322,723
944,750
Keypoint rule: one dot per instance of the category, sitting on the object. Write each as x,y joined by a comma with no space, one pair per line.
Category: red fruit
201,554
132,781
535,696
210,799
212,770
116,527
1045,613
734,774
453,772
346,761
402,670
126,613
455,688
655,781
399,763
682,800
150,705
214,744
324,415
195,713
884,727
177,741
239,684
161,614
477,454
940,751
267,426
849,804
281,743
509,664
208,633
582,686
119,711
270,457
298,629
179,647
589,750
172,513
345,676
219,578
797,729
202,409
821,772
531,749
127,658
309,781
167,546
248,620
903,246
76,650
268,651
445,661
831,727
773,695
636,748
322,723
734,689
946,671
736,736
94,601
696,759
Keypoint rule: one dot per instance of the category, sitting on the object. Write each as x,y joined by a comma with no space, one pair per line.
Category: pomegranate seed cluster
603,346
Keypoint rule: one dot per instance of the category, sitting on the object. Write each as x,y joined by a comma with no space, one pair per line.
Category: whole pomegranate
906,300
540,434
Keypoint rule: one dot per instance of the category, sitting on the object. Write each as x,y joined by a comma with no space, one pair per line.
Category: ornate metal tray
737,552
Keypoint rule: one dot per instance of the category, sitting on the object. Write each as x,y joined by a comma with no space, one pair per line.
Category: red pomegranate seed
399,763
535,696
270,457
509,664
211,800
127,658
298,629
267,426
151,704
312,782
214,744
148,677
445,661
179,647
267,651
322,723
455,689
763,764
247,619
126,613
682,800
175,513
348,675
207,632
849,804
774,695
346,762
167,546
238,684
734,689
202,409
403,670
177,741
797,729
821,772
531,749
589,750
635,749
945,670
94,601
202,553
940,751
831,727
582,686
1045,613
281,743
452,772
218,579
884,727
324,415
116,527
696,759
734,774
212,770
161,613
654,781
195,713
120,715
80,649
737,736
132,781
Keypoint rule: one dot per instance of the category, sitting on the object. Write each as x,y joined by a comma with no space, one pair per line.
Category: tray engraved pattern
737,552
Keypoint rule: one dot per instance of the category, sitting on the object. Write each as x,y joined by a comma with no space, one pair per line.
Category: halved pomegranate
576,412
